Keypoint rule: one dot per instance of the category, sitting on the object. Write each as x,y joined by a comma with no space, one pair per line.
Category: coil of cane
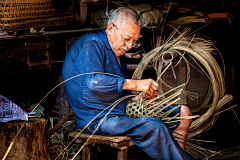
215,78
199,49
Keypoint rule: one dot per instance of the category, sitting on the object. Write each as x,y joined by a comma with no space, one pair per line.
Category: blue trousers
148,133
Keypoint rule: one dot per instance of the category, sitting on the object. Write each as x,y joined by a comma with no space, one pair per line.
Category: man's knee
152,123
185,111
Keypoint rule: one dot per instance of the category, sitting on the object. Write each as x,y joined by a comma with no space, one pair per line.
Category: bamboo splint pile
200,50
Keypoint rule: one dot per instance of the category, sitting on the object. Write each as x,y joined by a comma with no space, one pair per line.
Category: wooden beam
59,124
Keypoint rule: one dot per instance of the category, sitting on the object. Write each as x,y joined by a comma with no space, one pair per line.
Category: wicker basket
24,14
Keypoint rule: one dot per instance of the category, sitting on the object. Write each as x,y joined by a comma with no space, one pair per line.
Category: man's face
118,35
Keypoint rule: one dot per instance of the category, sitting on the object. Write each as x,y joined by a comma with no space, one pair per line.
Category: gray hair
120,15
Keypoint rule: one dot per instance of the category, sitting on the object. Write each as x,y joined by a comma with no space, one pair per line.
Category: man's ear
109,29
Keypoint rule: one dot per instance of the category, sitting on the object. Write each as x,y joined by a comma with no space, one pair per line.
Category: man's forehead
131,36
131,32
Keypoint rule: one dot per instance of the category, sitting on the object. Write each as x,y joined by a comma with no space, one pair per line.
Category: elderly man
97,53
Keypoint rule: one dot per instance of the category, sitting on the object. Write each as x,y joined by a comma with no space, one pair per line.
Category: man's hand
145,95
146,85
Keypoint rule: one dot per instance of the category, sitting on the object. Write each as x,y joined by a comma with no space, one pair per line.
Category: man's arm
146,85
91,60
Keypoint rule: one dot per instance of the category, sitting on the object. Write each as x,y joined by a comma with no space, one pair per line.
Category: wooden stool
120,142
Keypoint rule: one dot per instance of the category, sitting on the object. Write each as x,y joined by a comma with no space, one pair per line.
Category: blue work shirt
89,94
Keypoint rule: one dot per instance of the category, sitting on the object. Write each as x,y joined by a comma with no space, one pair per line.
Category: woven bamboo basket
23,14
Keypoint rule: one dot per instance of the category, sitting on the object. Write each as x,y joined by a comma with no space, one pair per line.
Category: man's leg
148,133
181,132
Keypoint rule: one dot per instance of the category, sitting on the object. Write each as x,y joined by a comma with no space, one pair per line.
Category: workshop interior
188,44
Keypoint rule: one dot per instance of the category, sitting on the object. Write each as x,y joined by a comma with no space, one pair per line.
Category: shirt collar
103,36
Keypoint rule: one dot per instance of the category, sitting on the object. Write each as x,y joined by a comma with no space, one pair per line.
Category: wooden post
122,153
182,75
86,152
30,144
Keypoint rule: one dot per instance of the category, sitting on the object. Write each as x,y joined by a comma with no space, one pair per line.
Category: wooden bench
120,142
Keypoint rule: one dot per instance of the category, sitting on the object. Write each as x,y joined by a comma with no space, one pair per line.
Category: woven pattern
24,14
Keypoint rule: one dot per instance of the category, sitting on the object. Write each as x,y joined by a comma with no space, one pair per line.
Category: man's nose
129,47
129,44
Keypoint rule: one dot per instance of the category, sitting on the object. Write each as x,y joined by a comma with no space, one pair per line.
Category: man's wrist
130,84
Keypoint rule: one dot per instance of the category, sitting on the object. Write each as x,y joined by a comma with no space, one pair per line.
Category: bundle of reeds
200,50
